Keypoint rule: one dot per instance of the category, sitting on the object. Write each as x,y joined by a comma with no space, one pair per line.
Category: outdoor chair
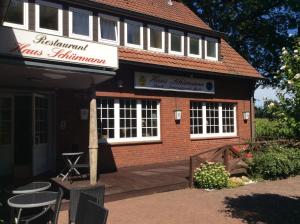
97,192
92,214
49,214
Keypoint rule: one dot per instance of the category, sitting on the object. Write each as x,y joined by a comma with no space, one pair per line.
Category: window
108,29
125,120
156,38
176,40
211,49
48,17
17,14
41,120
212,119
133,34
194,46
80,23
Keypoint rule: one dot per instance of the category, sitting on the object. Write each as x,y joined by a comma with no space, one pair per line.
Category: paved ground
265,202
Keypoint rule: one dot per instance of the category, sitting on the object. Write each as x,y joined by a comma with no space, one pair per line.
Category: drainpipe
93,137
3,8
252,115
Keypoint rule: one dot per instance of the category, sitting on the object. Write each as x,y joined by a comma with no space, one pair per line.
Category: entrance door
40,134
6,135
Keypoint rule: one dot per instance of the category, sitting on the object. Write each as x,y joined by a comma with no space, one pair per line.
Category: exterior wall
175,143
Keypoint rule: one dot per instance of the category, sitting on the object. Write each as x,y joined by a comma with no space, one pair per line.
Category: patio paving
269,202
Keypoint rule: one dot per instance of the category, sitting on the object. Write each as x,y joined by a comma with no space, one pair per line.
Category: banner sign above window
173,83
28,44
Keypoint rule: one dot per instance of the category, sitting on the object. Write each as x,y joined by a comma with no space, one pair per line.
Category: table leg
19,216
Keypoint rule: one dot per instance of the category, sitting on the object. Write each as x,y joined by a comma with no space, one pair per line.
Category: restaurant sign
28,44
173,83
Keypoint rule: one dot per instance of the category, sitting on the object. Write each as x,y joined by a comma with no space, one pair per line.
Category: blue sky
261,94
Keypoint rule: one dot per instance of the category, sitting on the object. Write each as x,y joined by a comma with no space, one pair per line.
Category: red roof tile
232,63
177,12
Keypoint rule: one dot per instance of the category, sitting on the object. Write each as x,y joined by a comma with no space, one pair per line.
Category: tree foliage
256,29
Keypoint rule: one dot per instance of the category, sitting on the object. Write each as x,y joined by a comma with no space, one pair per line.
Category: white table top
32,187
72,153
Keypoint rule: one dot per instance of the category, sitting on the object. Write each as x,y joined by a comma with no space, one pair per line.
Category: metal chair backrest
93,214
57,205
82,206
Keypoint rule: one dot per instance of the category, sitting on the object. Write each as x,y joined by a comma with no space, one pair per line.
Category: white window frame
162,49
139,137
188,45
217,49
141,45
112,18
25,18
79,36
182,42
37,17
204,123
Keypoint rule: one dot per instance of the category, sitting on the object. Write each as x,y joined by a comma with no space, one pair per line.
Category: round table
70,158
32,200
32,188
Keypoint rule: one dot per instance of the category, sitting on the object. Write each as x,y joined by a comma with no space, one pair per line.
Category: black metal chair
50,214
92,214
96,192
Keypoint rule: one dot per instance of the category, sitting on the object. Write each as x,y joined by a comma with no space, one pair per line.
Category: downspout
252,115
4,4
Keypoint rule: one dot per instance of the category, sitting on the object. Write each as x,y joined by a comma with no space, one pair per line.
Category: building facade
167,85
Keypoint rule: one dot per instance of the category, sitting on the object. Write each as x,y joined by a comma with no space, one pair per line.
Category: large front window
48,17
80,23
212,119
125,120
17,14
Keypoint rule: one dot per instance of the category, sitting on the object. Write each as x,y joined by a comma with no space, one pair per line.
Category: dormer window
211,49
156,38
108,29
133,34
194,46
80,23
17,14
176,39
48,17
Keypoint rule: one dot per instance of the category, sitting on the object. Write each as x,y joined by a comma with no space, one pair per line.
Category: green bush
211,176
274,162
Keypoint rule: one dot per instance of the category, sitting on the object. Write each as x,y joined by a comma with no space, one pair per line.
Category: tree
256,29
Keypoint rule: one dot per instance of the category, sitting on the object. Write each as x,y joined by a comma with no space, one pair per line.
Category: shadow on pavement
264,208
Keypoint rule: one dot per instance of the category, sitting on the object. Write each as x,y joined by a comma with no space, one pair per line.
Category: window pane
196,116
133,34
48,17
80,23
228,117
194,46
175,42
15,12
106,123
155,38
149,118
128,123
108,29
211,48
212,118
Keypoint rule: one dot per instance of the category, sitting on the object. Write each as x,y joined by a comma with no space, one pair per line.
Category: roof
178,12
232,63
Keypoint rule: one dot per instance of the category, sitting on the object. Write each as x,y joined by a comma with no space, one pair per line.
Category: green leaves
211,176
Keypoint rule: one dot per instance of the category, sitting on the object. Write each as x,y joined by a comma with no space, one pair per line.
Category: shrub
275,162
234,182
211,176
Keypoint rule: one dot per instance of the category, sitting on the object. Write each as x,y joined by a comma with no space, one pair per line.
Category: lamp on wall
178,114
246,115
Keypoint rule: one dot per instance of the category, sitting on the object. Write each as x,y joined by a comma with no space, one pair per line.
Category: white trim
139,46
139,137
112,18
200,46
79,36
216,46
25,18
220,134
176,32
158,28
37,17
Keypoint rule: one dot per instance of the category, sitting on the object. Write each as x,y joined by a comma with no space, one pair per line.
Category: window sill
145,142
212,137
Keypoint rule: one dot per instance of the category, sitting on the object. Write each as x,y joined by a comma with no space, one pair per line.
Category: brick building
167,85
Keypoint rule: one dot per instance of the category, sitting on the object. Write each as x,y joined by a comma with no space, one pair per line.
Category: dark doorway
23,136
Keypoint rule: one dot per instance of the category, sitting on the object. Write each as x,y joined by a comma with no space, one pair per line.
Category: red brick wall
176,143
